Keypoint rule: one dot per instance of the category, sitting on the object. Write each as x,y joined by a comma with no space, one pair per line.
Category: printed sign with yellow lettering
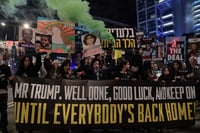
65,104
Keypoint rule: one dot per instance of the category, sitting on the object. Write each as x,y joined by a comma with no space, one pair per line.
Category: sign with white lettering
175,49
56,104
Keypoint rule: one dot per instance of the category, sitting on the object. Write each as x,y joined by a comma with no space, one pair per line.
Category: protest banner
67,104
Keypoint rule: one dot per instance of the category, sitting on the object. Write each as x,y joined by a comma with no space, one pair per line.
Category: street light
3,24
13,49
26,26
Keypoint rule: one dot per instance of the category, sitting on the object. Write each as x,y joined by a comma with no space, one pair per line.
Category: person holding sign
194,69
65,71
194,74
51,67
147,53
26,67
95,73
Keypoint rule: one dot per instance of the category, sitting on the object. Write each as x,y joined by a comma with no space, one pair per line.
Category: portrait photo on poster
27,35
45,41
90,41
194,48
59,37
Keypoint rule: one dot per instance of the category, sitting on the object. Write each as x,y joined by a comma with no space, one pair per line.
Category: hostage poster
63,34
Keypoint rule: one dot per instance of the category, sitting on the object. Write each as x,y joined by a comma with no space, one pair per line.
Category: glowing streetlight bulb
3,24
26,26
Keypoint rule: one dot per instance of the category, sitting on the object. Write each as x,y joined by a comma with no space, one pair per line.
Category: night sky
123,11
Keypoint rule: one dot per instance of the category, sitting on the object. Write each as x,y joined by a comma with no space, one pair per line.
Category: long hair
122,63
61,70
21,64
21,67
63,35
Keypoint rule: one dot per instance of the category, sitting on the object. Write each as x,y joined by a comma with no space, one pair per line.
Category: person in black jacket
85,66
52,68
95,73
65,71
175,74
165,77
26,67
124,73
135,60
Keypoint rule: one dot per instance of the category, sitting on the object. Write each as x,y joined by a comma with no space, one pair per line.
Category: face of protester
148,47
166,71
44,41
155,67
176,66
194,47
27,62
127,66
90,40
184,65
56,65
27,35
88,61
66,68
96,65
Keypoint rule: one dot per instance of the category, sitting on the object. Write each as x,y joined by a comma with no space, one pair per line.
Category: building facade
196,16
165,17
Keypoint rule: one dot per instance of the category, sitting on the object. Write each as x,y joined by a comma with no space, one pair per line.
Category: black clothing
3,110
164,78
4,75
51,73
32,70
85,68
124,76
175,74
136,61
196,71
96,75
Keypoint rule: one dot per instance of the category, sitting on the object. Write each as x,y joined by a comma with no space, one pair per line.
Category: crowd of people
131,67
